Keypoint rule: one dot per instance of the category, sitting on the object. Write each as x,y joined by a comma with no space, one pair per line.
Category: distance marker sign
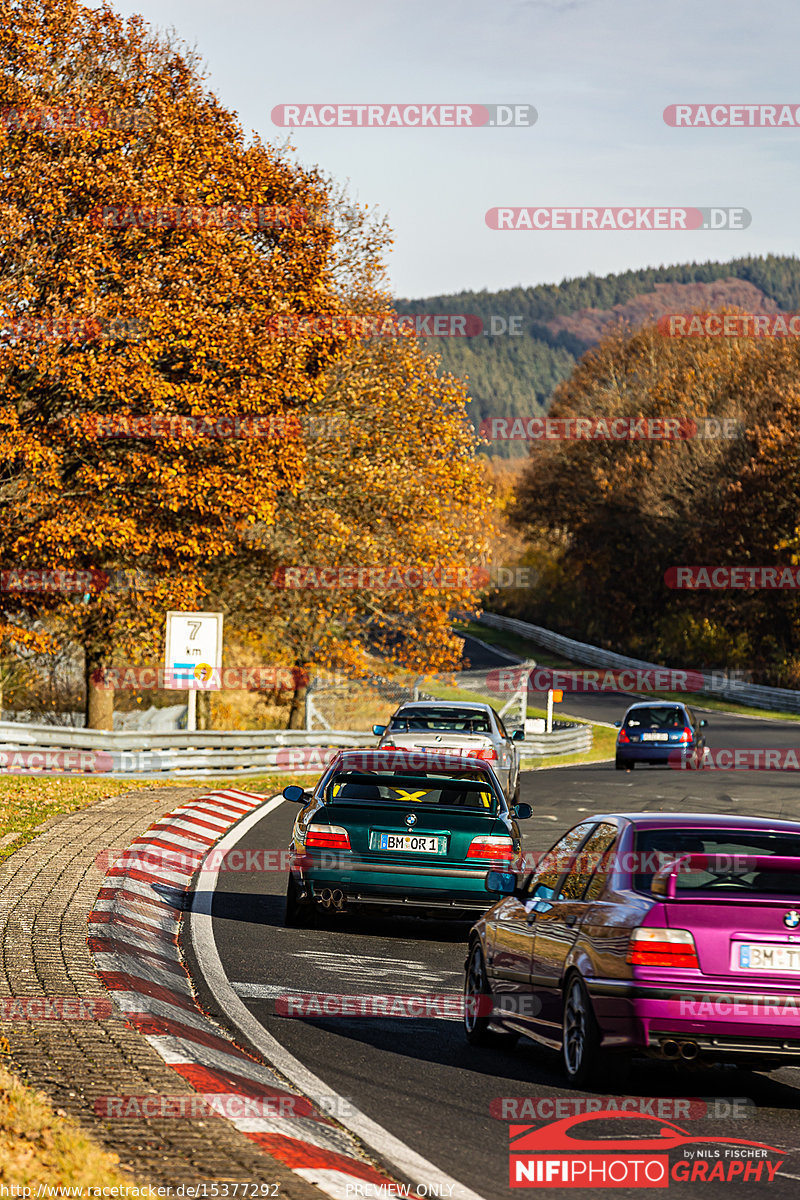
193,655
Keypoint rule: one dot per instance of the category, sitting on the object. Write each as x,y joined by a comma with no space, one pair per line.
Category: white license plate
416,843
655,737
758,957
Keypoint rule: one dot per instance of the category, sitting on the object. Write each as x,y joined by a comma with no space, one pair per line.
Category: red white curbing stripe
133,937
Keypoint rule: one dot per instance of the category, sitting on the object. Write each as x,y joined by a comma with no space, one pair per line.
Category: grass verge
41,1146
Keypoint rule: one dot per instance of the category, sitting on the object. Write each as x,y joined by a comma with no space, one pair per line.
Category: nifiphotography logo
574,1153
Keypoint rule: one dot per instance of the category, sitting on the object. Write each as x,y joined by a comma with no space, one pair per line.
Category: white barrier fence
715,683
35,748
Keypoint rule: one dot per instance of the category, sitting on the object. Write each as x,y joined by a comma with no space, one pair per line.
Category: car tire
298,914
580,1036
619,764
476,985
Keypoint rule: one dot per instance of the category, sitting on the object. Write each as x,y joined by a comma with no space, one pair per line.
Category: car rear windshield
451,720
367,787
729,874
656,718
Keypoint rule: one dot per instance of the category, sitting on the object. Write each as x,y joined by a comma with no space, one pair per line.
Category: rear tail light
623,737
327,837
493,849
686,736
488,755
662,948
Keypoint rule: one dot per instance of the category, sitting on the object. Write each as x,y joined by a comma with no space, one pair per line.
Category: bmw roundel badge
792,919
411,819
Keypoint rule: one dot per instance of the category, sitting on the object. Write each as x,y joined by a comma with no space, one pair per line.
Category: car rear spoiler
665,879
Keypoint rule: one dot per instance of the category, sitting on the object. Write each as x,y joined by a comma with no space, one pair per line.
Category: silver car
473,730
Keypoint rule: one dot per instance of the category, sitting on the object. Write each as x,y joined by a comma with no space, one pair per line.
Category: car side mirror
704,724
522,811
295,793
518,735
504,882
379,730
618,724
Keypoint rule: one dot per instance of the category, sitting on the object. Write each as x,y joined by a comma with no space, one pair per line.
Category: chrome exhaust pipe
337,898
670,1048
689,1050
325,897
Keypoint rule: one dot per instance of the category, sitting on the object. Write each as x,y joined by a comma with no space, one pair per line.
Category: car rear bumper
742,1020
412,886
650,753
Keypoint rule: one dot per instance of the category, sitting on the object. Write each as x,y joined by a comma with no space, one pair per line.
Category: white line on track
390,1148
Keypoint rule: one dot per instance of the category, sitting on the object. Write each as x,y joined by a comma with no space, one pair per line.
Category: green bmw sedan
400,831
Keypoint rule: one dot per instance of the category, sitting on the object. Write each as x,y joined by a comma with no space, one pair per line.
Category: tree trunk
203,710
297,712
99,700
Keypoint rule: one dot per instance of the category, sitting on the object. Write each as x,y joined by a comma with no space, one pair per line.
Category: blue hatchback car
660,731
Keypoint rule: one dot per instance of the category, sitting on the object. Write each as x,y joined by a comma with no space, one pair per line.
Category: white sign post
193,656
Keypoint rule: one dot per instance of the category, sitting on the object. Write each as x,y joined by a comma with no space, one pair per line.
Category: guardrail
572,739
36,748
43,748
715,683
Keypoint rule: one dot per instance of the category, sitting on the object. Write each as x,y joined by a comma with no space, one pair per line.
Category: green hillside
515,376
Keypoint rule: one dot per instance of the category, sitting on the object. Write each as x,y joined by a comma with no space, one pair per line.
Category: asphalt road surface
418,1077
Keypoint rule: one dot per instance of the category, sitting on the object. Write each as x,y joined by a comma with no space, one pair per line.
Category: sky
599,74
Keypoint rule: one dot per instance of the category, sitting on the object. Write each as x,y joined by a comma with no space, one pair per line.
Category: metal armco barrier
50,748
715,684
575,739
36,748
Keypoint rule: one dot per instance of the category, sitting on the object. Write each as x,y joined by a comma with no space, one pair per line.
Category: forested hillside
515,376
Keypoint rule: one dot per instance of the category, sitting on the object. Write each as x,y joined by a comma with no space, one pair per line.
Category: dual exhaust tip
672,1049
332,898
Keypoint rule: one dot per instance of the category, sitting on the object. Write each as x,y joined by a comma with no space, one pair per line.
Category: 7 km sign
193,655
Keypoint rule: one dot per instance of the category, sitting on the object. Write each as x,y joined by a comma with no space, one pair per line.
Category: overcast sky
598,72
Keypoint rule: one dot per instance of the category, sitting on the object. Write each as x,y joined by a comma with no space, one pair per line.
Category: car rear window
452,720
367,787
654,847
656,718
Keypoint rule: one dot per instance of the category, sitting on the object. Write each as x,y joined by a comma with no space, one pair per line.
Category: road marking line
391,1149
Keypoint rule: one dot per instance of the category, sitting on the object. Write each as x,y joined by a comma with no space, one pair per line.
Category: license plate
414,843
655,737
755,957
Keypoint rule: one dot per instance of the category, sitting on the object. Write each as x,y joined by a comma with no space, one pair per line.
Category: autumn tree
617,514
162,319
